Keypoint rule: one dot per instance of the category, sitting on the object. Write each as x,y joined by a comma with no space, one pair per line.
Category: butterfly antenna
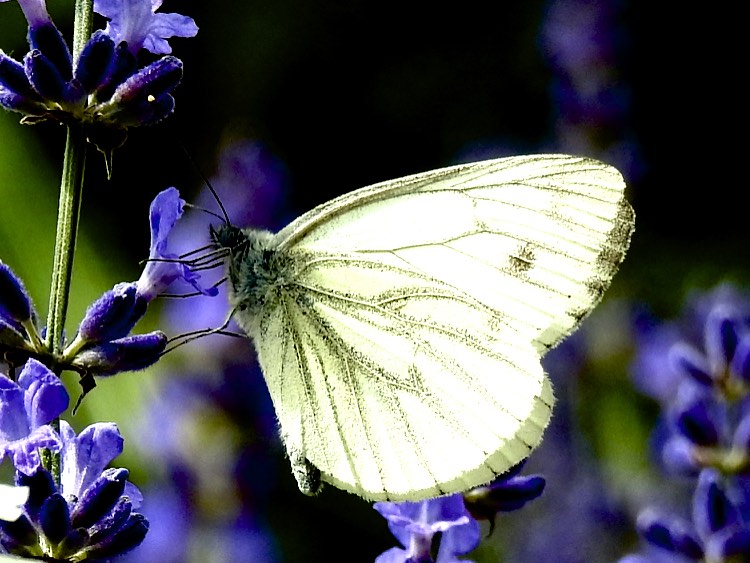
224,216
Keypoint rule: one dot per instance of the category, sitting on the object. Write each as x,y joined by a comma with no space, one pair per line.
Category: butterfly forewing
538,238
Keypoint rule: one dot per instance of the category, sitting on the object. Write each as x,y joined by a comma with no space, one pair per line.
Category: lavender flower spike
90,515
136,23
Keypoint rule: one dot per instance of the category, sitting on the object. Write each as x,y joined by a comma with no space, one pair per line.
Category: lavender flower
718,531
704,389
103,344
26,409
104,89
17,314
136,23
702,363
163,267
415,524
90,515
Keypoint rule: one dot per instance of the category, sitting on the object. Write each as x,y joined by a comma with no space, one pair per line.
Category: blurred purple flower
718,531
696,368
583,41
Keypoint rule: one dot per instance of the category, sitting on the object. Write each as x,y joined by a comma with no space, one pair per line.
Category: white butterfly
400,327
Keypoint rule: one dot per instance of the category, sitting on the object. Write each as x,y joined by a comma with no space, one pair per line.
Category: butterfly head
228,236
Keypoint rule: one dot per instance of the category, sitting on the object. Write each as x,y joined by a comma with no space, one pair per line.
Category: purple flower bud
96,62
112,522
126,538
158,78
507,493
46,39
671,534
712,509
113,315
741,438
741,361
699,423
44,76
731,545
15,302
54,518
689,361
41,486
100,498
721,336
13,78
131,353
678,456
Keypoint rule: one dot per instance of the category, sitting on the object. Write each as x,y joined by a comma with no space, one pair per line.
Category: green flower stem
68,214
71,187
84,17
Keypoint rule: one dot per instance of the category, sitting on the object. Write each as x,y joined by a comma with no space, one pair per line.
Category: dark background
348,93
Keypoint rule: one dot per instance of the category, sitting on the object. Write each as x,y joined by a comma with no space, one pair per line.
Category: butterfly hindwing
397,388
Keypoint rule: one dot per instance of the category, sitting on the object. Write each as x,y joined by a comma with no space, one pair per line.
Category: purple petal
728,545
459,540
741,360
85,456
689,362
164,26
393,555
134,22
14,421
45,396
25,452
166,210
35,12
721,336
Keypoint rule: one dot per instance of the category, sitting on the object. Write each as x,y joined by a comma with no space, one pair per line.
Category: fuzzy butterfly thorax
252,267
